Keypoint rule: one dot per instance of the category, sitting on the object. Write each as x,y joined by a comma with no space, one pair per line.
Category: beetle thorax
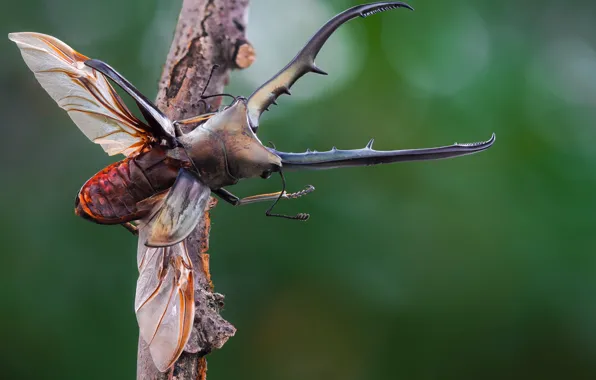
225,150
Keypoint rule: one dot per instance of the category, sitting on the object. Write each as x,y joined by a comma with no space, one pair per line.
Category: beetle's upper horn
304,62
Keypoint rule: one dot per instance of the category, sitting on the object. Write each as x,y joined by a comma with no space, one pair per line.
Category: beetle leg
235,201
195,119
227,196
131,227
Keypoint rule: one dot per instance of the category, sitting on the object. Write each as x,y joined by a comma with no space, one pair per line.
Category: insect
162,186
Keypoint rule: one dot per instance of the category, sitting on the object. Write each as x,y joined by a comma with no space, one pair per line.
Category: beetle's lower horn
337,158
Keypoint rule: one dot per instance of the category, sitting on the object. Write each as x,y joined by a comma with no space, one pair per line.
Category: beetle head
225,149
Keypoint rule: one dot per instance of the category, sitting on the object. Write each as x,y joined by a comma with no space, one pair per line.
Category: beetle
164,183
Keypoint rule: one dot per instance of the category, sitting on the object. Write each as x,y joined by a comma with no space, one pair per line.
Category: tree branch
209,32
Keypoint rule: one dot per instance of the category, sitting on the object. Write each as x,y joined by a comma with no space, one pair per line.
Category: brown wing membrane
304,62
181,211
84,93
164,301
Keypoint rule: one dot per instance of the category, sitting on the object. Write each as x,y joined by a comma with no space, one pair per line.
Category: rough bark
209,32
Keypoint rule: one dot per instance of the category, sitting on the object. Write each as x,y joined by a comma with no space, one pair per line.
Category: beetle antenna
203,96
300,216
215,66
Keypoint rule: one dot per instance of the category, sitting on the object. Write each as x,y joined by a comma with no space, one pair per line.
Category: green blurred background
482,267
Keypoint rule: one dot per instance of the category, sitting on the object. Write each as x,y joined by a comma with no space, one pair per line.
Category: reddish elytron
113,195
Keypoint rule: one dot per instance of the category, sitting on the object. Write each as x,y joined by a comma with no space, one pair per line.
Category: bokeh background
482,267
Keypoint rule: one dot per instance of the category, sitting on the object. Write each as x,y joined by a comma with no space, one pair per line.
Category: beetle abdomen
111,196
